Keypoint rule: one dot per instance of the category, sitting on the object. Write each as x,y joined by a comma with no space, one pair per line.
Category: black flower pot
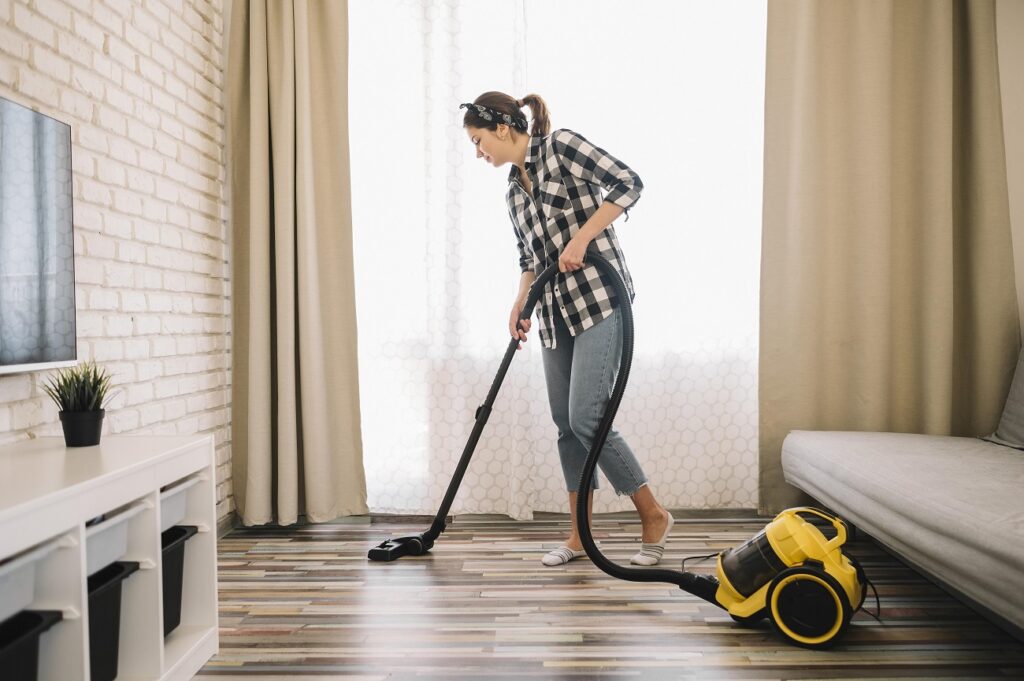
82,428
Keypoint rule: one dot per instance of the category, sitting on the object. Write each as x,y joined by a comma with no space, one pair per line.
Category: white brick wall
141,83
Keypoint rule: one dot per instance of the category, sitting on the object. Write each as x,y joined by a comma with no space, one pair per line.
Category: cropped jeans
580,373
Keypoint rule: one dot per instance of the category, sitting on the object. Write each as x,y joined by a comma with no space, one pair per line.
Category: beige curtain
296,447
887,293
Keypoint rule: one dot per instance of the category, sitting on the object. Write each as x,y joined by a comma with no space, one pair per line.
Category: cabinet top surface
37,468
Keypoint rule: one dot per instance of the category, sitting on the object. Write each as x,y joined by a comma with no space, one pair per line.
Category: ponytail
538,114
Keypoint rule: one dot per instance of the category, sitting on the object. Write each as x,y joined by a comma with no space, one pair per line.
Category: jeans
580,374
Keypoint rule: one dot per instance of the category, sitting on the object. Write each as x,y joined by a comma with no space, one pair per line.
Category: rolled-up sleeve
595,165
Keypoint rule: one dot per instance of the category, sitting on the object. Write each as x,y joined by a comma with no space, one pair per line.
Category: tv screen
37,268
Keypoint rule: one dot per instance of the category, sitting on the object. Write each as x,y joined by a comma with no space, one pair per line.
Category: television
37,247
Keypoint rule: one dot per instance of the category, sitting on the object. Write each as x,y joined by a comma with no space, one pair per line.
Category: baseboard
738,515
227,523
683,515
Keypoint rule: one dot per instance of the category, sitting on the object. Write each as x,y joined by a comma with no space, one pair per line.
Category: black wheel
808,607
748,622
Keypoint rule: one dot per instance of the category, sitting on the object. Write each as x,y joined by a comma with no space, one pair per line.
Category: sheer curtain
673,89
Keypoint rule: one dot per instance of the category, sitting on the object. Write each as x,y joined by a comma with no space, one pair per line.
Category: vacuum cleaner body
791,574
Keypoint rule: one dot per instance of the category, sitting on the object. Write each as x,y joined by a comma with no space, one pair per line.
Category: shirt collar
532,154
533,151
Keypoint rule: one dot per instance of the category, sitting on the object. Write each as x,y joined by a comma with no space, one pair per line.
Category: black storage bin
19,643
105,618
173,542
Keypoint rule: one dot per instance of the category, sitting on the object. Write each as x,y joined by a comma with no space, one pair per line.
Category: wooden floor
305,604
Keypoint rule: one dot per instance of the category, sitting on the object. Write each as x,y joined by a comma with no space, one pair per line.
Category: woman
554,200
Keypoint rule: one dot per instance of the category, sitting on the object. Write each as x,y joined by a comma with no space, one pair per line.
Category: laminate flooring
305,604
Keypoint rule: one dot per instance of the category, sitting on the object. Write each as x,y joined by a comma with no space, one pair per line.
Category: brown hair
503,103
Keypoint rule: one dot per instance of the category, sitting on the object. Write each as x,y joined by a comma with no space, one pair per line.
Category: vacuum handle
836,521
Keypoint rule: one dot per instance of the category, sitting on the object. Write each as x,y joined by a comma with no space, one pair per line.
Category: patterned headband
488,114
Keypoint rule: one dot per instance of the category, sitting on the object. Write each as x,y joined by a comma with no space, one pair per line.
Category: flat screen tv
37,247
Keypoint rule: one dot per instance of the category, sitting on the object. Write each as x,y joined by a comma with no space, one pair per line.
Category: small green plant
80,388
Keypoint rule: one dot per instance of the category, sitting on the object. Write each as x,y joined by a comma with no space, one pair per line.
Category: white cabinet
48,493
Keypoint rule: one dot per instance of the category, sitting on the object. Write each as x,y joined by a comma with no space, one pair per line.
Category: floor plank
305,604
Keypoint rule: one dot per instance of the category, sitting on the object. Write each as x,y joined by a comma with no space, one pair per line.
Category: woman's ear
502,131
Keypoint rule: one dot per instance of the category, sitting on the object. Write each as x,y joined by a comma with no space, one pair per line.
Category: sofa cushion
1010,431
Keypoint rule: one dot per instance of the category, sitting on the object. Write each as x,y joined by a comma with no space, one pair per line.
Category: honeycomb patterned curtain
436,262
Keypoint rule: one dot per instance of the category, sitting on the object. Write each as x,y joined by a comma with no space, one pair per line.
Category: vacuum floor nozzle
393,549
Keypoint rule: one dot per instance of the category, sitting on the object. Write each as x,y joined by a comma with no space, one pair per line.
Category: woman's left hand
572,255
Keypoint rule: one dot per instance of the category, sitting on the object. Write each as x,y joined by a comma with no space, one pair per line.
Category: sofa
952,507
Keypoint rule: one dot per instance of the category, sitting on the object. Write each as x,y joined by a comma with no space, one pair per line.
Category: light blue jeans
580,374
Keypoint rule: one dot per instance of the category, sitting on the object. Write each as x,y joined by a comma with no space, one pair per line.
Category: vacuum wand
419,544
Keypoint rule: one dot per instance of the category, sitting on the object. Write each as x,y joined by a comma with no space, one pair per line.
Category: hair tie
493,116
520,103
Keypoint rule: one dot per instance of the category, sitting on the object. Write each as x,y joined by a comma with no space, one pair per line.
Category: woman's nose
479,154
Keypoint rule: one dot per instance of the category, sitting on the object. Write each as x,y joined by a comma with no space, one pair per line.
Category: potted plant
79,393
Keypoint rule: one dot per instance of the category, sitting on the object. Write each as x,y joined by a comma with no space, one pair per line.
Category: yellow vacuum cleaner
789,573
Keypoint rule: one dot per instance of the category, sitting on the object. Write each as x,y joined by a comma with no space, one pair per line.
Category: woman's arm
606,213
516,326
525,282
593,164
571,258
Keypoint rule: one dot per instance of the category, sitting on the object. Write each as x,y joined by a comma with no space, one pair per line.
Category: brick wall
141,83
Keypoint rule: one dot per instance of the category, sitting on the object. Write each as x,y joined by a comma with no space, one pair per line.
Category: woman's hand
572,255
516,326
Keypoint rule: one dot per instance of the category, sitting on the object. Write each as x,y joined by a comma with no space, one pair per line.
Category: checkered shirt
567,174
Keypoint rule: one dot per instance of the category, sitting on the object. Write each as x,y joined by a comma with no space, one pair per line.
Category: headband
488,114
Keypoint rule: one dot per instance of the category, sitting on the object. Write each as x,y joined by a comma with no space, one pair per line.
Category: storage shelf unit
49,493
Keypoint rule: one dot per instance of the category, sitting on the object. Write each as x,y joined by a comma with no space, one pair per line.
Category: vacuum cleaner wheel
808,607
749,622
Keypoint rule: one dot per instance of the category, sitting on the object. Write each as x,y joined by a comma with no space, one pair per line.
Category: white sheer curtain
676,91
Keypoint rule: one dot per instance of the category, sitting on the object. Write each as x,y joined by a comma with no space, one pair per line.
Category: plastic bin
173,547
105,618
172,503
18,577
108,540
19,642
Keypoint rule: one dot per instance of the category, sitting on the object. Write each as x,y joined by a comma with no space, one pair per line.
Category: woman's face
489,144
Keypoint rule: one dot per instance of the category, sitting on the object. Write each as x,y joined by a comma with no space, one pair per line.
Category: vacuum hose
700,585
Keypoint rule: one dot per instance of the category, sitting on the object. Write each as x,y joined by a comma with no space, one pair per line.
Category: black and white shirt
567,174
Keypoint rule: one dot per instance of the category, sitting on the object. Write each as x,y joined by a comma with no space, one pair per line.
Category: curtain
37,288
887,290
436,263
296,447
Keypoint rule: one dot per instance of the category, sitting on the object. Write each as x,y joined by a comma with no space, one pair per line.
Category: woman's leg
653,515
595,365
571,452
574,542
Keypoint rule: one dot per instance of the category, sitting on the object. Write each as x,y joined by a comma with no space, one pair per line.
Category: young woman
555,202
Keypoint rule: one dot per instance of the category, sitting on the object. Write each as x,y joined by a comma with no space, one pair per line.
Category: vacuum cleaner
789,573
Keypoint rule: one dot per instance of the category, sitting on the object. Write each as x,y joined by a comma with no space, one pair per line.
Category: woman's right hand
518,328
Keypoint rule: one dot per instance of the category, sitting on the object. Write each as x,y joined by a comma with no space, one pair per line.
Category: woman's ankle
656,516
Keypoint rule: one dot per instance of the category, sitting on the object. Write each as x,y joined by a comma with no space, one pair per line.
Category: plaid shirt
567,173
